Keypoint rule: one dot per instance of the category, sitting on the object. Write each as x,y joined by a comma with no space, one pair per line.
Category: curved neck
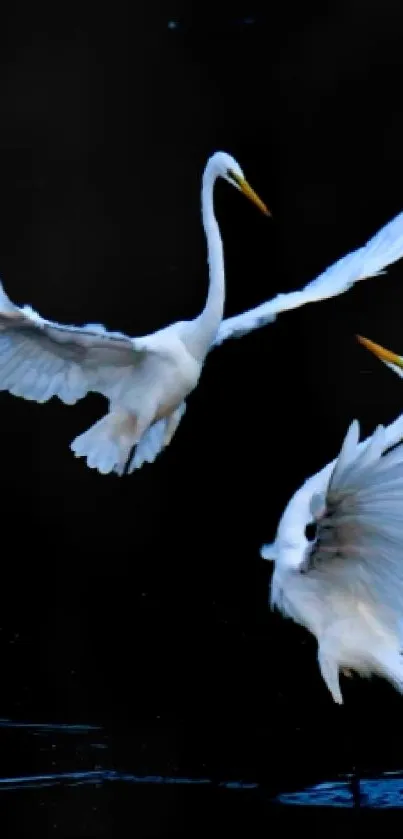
205,326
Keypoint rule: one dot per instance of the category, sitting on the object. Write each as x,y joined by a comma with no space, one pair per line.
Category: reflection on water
39,727
72,755
104,775
384,791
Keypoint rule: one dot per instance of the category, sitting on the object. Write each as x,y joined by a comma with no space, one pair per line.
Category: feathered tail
156,438
107,444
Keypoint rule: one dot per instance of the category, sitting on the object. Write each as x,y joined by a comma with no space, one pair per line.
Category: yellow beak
380,352
251,194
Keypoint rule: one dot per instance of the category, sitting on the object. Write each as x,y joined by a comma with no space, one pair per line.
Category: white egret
147,379
338,559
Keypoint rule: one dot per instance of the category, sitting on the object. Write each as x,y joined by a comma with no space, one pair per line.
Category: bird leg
131,428
355,785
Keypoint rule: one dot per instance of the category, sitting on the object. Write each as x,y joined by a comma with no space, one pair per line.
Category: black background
140,603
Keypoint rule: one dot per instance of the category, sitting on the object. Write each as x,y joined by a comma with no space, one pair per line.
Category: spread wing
370,260
40,359
359,543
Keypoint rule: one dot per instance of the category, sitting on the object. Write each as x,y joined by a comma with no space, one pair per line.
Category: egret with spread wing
338,559
146,379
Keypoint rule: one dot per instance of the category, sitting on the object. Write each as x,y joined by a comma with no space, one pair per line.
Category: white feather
155,439
368,261
40,359
146,380
347,586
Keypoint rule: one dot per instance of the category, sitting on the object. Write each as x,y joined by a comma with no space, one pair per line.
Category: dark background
140,603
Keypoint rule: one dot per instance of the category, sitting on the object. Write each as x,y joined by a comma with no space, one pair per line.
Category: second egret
338,559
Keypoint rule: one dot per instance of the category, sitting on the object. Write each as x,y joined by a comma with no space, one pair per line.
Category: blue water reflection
385,791
98,755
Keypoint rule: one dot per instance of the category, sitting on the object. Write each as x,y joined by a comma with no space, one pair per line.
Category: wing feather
359,543
40,359
368,261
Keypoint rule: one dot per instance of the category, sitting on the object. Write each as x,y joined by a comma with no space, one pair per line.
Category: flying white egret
338,559
147,379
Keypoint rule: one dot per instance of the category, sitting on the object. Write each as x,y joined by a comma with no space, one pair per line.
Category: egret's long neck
204,327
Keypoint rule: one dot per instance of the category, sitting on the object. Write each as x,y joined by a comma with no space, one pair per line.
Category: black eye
231,175
311,530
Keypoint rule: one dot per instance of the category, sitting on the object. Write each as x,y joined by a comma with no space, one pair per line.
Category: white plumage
148,379
383,249
338,557
144,379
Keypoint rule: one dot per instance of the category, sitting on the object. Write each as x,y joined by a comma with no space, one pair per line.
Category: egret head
222,165
393,361
297,528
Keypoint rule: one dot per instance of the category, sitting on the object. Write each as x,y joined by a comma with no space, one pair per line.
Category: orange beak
380,352
250,193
